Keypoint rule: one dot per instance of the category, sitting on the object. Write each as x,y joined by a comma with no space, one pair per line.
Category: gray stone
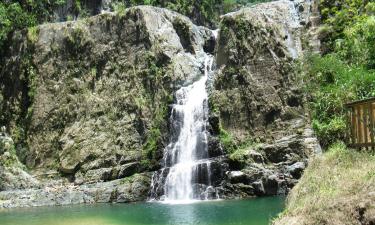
256,156
258,188
130,189
270,184
127,169
102,174
296,169
236,177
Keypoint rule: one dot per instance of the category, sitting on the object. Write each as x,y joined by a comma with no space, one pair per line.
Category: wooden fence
361,120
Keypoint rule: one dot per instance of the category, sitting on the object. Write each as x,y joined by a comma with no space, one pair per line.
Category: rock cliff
85,104
257,103
87,101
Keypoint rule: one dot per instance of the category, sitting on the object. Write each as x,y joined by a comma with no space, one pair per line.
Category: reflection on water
240,212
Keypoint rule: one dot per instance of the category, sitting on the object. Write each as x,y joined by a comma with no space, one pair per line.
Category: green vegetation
16,15
332,83
341,16
347,70
154,78
335,187
33,34
241,154
227,141
119,8
341,179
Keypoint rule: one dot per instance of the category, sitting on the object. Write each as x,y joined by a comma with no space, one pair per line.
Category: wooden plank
361,145
364,119
372,125
359,125
348,127
354,127
369,100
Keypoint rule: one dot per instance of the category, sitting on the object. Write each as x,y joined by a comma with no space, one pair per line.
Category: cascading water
186,173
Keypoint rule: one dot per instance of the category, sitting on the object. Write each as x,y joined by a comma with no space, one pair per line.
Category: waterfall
186,173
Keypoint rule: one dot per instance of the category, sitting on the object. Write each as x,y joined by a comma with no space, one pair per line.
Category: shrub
227,141
338,15
357,47
119,8
332,83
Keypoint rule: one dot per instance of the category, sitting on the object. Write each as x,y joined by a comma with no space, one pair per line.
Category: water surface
257,211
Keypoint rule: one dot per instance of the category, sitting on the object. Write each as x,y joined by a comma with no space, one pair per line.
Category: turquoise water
257,211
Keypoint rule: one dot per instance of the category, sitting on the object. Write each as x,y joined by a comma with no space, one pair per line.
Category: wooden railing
361,120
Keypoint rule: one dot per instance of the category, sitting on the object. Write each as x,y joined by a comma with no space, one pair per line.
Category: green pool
257,211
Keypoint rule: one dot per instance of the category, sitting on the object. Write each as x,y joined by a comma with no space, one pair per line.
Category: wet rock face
256,96
97,90
12,174
93,95
255,53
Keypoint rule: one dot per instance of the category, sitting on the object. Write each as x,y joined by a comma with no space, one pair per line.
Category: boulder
296,169
282,150
258,188
97,175
236,177
270,184
129,189
127,169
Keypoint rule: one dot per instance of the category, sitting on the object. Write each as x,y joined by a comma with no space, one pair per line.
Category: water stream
186,173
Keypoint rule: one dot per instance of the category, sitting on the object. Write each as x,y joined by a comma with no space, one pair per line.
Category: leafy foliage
346,72
357,47
332,83
338,15
13,17
19,14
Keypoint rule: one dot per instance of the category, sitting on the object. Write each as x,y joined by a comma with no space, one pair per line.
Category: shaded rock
256,156
296,169
100,163
12,173
236,177
258,188
134,190
270,184
96,175
279,151
127,169
69,166
257,97
214,147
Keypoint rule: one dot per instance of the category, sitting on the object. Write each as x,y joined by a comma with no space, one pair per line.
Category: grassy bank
338,187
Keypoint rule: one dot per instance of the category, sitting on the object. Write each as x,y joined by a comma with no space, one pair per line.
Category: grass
241,153
336,188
